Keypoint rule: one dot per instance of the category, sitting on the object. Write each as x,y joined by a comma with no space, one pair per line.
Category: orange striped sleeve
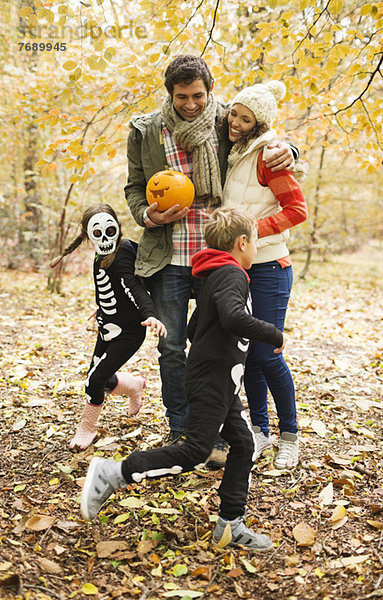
289,195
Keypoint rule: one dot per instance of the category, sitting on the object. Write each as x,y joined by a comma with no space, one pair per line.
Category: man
183,137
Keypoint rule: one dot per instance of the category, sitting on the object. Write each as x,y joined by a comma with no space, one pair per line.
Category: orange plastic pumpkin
169,188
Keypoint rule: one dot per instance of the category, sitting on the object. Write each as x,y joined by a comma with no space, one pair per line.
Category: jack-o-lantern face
169,188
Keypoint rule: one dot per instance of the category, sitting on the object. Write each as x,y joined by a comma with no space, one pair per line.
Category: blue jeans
171,289
270,288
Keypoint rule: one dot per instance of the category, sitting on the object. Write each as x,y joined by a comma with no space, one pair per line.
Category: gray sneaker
263,441
288,453
103,478
242,535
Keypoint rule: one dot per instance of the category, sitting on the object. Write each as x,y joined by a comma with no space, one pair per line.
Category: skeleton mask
103,232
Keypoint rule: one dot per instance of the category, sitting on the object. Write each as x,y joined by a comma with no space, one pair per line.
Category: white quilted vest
243,190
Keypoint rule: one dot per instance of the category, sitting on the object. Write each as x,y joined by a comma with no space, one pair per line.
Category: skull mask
103,231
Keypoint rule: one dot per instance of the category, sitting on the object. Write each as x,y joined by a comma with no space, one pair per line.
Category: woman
277,203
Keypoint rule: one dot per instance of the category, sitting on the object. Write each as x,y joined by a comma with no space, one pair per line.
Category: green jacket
146,156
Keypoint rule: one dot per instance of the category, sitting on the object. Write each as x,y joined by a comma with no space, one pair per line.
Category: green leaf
19,488
179,570
132,502
248,566
121,518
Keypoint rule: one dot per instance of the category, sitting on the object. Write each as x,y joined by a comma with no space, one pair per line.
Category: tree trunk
314,228
55,276
32,211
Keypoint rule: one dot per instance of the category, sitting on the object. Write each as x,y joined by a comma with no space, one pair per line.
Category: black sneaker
217,458
174,437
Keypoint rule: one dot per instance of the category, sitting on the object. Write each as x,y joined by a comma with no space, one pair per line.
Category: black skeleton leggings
213,408
107,358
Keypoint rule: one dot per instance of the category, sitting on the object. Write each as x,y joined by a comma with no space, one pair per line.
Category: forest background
73,73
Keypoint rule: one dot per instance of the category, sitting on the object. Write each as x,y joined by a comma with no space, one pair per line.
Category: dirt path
159,540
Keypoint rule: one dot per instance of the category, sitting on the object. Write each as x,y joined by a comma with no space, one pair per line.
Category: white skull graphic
103,232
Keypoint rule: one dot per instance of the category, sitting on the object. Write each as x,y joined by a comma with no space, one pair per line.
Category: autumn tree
327,53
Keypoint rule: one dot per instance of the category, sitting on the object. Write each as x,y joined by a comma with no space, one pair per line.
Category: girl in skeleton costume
219,330
124,312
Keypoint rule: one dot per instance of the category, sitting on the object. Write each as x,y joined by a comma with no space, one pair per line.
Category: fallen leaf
250,568
338,513
19,425
293,560
40,522
327,495
319,427
132,502
376,524
179,570
5,566
19,372
340,523
67,525
289,571
203,572
347,561
121,518
235,572
226,537
239,591
49,566
161,511
304,534
133,434
145,546
110,549
106,442
366,432
37,402
337,460
19,488
89,589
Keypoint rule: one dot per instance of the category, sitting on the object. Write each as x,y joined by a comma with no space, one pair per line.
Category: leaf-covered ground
153,541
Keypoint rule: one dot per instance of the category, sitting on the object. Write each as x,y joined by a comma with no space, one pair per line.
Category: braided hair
88,214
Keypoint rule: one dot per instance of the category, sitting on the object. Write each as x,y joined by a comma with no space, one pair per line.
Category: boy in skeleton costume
124,311
220,329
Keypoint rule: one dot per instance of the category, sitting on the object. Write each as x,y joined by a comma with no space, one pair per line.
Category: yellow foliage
69,65
32,21
26,11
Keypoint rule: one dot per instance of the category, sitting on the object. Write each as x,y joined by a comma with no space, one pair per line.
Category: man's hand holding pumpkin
170,215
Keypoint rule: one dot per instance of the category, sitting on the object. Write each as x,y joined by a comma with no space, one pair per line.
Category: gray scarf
194,137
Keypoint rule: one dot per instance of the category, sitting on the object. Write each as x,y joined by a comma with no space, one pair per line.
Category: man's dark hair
185,69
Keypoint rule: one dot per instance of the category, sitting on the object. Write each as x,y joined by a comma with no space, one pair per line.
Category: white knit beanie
262,100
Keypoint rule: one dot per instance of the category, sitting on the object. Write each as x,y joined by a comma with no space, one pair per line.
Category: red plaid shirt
188,235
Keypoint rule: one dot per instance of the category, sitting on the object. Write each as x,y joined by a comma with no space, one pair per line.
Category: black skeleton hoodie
222,324
121,298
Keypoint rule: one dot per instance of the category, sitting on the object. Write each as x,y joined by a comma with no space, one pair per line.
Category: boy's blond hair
225,225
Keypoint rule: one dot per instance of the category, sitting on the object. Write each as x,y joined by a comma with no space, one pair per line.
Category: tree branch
212,27
365,89
310,28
